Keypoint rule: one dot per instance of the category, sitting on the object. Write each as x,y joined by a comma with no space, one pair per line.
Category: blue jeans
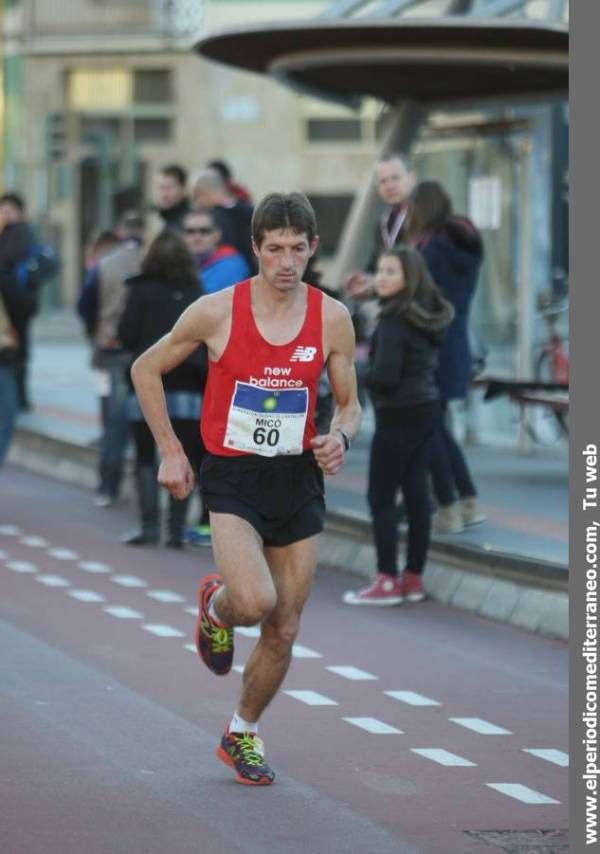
9,406
116,430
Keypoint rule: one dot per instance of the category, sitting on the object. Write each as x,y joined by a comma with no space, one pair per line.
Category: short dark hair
174,170
284,210
397,155
169,260
13,199
222,168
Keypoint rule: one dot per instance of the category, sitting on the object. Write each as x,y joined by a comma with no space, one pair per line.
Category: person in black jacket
16,307
172,203
453,251
401,379
166,285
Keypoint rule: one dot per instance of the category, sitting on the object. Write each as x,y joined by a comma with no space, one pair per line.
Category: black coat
454,256
151,310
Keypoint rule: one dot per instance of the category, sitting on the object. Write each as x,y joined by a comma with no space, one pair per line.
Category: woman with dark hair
453,251
402,383
165,286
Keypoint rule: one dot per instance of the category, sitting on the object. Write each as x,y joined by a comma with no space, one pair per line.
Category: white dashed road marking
522,793
53,580
86,595
3,555
352,673
10,530
557,757
248,631
163,631
63,554
374,726
480,726
165,596
20,566
123,613
239,668
299,651
442,757
35,542
191,609
94,566
190,647
412,698
311,698
128,581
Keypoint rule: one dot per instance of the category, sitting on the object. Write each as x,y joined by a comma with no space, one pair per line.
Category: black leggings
400,460
186,430
449,470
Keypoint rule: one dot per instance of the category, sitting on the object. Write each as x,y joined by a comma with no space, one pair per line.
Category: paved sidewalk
525,496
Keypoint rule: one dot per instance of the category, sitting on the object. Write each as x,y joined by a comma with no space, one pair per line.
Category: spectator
166,285
233,217
109,354
87,308
172,202
16,306
218,264
453,251
401,380
17,246
240,192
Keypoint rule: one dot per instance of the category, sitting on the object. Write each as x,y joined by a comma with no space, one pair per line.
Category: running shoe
198,536
245,752
214,641
412,587
383,590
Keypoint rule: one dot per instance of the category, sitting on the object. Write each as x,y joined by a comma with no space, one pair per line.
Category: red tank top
260,398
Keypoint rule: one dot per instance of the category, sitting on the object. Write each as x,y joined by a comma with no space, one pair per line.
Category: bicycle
549,424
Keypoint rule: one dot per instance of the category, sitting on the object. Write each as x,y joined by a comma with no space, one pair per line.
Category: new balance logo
303,354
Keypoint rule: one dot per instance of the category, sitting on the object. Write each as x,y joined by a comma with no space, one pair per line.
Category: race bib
266,422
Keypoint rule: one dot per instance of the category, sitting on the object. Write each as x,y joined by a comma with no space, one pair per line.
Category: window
152,86
334,130
331,212
95,126
152,130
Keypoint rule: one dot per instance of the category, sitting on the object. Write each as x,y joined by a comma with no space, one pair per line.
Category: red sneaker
214,642
412,587
383,590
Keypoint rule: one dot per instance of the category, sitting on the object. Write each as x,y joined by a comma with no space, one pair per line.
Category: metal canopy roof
433,60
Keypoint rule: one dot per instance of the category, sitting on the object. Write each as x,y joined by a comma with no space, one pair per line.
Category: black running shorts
281,497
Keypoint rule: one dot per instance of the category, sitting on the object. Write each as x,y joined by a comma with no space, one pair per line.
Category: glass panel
152,130
334,130
152,86
99,89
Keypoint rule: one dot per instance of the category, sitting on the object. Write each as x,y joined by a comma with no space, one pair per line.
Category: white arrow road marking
442,757
412,698
557,757
522,793
311,698
481,726
374,726
351,673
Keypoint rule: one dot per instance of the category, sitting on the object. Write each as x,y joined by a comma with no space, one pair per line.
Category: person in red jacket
268,338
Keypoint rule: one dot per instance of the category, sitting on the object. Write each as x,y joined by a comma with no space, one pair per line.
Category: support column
357,236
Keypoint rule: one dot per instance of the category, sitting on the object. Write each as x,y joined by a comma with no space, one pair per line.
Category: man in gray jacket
110,356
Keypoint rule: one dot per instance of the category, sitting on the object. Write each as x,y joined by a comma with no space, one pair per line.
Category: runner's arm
339,334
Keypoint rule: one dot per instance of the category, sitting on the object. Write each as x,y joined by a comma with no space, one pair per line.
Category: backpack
42,264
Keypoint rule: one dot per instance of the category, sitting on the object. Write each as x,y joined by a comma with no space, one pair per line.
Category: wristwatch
345,437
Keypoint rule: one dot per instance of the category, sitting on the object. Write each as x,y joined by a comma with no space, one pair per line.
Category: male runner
268,338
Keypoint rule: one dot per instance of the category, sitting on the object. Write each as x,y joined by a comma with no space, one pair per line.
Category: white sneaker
105,500
471,511
448,519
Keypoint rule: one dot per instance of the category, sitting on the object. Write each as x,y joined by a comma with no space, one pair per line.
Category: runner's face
389,280
283,256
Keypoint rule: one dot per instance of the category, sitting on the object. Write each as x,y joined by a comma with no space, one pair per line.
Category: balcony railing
59,18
